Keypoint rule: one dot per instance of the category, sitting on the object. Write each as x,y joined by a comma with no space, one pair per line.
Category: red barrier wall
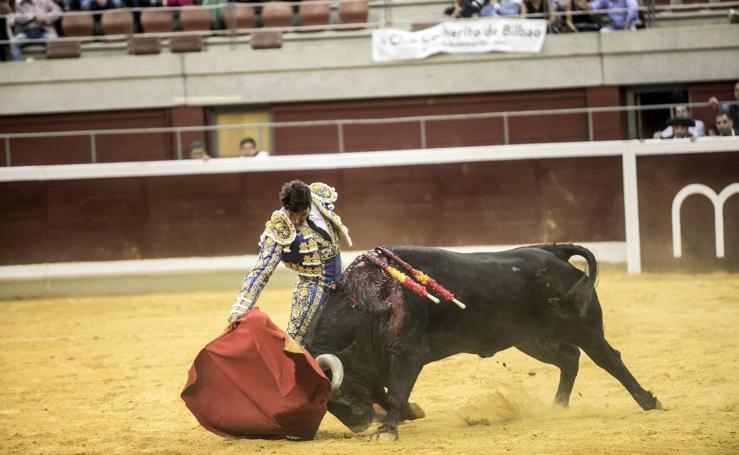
480,203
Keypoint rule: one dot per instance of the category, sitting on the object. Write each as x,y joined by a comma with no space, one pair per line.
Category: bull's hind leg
560,354
598,349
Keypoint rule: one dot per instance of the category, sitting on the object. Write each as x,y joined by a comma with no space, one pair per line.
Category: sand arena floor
103,375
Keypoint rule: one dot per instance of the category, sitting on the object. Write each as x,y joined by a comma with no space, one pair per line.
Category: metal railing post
93,149
340,127
423,133
505,128
178,138
7,151
591,135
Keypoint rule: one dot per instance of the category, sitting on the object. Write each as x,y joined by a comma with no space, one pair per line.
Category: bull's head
350,401
341,337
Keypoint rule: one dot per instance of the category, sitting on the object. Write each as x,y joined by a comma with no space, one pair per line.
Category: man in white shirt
682,111
249,149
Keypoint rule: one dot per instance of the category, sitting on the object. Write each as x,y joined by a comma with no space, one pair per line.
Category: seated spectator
732,110
463,9
561,20
249,149
583,22
540,9
35,20
622,14
198,151
504,8
724,125
218,21
100,5
680,128
682,111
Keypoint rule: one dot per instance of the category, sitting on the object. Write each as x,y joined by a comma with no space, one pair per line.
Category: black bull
530,298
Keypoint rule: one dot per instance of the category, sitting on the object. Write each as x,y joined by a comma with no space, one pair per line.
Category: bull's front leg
402,374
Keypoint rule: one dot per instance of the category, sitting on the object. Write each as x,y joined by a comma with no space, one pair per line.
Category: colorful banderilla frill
402,278
423,278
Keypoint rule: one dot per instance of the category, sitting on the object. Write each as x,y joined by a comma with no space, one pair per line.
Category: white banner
460,36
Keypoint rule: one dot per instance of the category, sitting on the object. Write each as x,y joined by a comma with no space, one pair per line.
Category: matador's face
298,218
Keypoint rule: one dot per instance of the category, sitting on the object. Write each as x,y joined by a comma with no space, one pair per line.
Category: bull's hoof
412,412
650,403
386,433
386,437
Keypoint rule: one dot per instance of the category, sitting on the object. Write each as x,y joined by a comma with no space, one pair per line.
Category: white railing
340,126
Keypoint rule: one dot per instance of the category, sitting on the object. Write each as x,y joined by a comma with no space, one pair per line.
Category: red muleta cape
256,381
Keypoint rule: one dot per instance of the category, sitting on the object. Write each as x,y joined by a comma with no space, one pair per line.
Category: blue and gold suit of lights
312,250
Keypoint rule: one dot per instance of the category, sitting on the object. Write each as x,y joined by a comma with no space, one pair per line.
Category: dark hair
247,139
295,196
197,145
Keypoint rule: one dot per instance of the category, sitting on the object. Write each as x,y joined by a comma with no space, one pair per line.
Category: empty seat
57,48
239,16
353,11
156,21
73,25
192,19
314,12
152,21
266,40
117,22
141,45
277,14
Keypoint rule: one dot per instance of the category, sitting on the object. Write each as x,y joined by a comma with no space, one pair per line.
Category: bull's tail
564,251
579,296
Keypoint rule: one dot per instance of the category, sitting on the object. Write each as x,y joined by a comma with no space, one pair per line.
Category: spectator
682,111
561,17
504,8
541,9
583,22
249,149
463,9
6,9
35,19
732,110
724,125
622,14
680,127
198,151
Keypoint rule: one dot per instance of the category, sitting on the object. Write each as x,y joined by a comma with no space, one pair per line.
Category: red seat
117,22
75,24
266,40
314,12
277,14
239,16
353,12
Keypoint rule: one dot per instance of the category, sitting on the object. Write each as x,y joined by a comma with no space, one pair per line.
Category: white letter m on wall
718,201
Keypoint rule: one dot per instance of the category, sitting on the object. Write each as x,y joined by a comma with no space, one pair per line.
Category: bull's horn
333,363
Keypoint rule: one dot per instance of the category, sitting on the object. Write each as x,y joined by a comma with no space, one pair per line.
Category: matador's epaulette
324,193
279,228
